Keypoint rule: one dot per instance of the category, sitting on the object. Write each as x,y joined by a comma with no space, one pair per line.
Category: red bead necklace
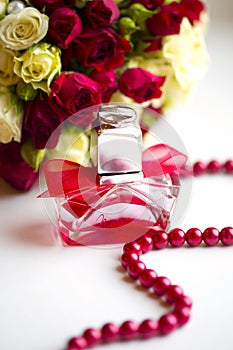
161,285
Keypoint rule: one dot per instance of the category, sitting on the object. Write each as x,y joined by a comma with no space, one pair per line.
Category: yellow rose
11,116
21,30
7,74
39,65
3,7
187,54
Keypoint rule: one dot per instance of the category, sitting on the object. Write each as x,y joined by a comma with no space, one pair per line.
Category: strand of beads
213,167
160,285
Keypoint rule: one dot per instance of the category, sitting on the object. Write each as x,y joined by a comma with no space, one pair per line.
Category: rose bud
102,13
140,84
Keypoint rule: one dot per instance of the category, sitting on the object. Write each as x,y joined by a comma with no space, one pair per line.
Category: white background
49,293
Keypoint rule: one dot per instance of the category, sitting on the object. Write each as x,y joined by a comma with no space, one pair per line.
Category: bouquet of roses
58,57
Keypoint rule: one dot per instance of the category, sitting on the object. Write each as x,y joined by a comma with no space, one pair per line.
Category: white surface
50,293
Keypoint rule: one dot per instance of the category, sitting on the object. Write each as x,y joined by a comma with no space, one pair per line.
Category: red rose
42,117
102,13
51,5
149,4
107,80
192,9
167,21
102,49
14,169
64,26
140,84
72,92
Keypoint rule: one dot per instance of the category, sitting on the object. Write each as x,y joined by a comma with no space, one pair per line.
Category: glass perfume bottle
121,194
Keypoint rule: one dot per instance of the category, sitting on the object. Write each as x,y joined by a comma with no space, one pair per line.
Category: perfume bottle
120,195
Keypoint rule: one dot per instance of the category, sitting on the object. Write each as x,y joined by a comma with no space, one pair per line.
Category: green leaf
31,155
25,91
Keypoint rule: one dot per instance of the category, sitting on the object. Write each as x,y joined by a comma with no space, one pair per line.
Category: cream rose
187,54
7,74
21,30
11,116
39,65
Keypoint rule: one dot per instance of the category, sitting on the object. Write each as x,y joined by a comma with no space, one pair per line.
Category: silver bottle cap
119,145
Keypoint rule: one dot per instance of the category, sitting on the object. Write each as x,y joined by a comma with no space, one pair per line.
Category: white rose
7,74
187,54
3,7
11,116
21,30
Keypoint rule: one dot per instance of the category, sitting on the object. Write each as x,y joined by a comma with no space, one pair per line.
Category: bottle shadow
36,233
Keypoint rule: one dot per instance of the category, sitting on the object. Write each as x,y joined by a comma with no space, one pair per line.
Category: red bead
193,237
167,323
184,301
128,258
199,168
147,278
110,332
146,243
226,235
149,328
183,315
176,237
214,167
135,269
77,343
128,329
152,231
133,247
211,236
228,166
160,240
160,285
173,293
92,336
